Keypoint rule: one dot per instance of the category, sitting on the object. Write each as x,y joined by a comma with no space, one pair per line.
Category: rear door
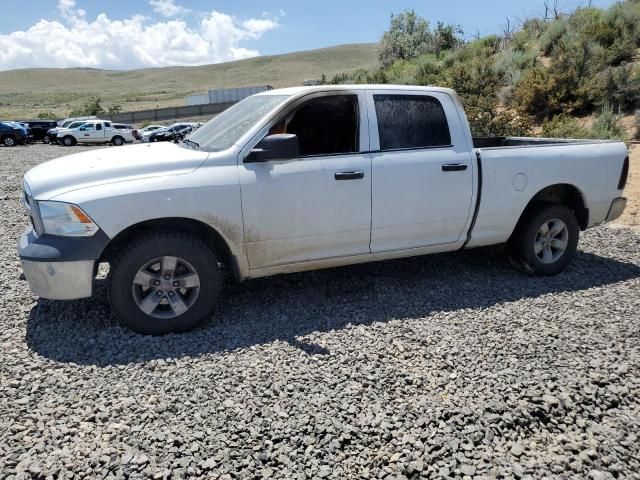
316,206
422,179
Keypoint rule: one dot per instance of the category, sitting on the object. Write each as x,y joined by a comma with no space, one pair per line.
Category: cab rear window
411,121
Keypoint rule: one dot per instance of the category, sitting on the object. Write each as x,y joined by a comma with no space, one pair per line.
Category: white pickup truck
300,179
94,131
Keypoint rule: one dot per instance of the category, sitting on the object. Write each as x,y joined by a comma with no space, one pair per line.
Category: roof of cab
328,88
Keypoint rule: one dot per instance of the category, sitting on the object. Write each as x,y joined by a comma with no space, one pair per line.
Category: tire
134,274
9,141
117,141
545,240
46,139
68,141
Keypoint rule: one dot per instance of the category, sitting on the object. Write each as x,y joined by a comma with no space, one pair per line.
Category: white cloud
166,8
132,42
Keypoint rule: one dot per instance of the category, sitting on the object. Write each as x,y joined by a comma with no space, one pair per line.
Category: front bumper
60,280
60,268
617,207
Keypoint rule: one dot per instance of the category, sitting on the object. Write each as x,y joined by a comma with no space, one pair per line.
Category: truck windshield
224,130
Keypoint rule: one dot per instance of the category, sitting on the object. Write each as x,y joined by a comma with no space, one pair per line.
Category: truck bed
499,142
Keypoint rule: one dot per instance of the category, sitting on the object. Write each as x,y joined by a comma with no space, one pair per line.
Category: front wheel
164,283
68,141
545,240
46,139
9,141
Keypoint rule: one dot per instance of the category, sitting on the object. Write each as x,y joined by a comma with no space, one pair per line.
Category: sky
126,34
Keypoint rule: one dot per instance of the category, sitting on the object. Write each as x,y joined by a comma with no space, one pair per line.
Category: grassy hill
26,92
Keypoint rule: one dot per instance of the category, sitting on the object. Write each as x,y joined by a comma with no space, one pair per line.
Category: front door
317,206
422,178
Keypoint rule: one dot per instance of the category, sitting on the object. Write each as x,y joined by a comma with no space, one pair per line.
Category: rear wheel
9,141
545,240
68,141
46,139
164,283
117,141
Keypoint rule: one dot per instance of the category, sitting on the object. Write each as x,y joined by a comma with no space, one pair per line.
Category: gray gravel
443,366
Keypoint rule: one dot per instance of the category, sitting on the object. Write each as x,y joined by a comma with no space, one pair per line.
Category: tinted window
411,121
98,126
324,126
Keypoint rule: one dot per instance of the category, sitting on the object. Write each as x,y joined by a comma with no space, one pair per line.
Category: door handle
453,167
349,175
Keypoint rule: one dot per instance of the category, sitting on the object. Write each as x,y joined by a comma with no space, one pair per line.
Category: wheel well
193,227
562,194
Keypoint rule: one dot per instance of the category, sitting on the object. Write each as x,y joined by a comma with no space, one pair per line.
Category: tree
446,37
407,37
115,108
91,107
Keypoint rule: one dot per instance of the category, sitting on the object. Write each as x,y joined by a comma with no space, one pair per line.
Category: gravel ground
443,366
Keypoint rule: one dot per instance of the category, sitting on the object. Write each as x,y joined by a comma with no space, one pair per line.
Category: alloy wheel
166,287
551,241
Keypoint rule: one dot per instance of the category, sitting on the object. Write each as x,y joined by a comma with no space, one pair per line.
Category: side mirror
82,129
282,146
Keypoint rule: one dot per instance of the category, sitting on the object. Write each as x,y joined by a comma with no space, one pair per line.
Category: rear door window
411,121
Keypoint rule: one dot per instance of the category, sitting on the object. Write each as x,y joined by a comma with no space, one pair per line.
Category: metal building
225,95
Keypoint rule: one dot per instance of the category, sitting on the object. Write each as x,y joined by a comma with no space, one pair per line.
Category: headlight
65,219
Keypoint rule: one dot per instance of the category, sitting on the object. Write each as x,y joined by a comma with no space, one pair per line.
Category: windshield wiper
191,142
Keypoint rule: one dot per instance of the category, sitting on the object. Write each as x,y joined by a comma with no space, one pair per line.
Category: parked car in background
68,121
52,134
94,131
26,131
146,131
10,136
125,126
40,129
168,134
306,178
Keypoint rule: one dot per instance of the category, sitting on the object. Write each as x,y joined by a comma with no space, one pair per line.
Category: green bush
534,94
485,121
483,48
512,63
564,126
620,87
429,72
477,84
607,125
49,115
552,35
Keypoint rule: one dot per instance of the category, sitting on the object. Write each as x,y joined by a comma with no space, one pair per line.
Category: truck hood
110,165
